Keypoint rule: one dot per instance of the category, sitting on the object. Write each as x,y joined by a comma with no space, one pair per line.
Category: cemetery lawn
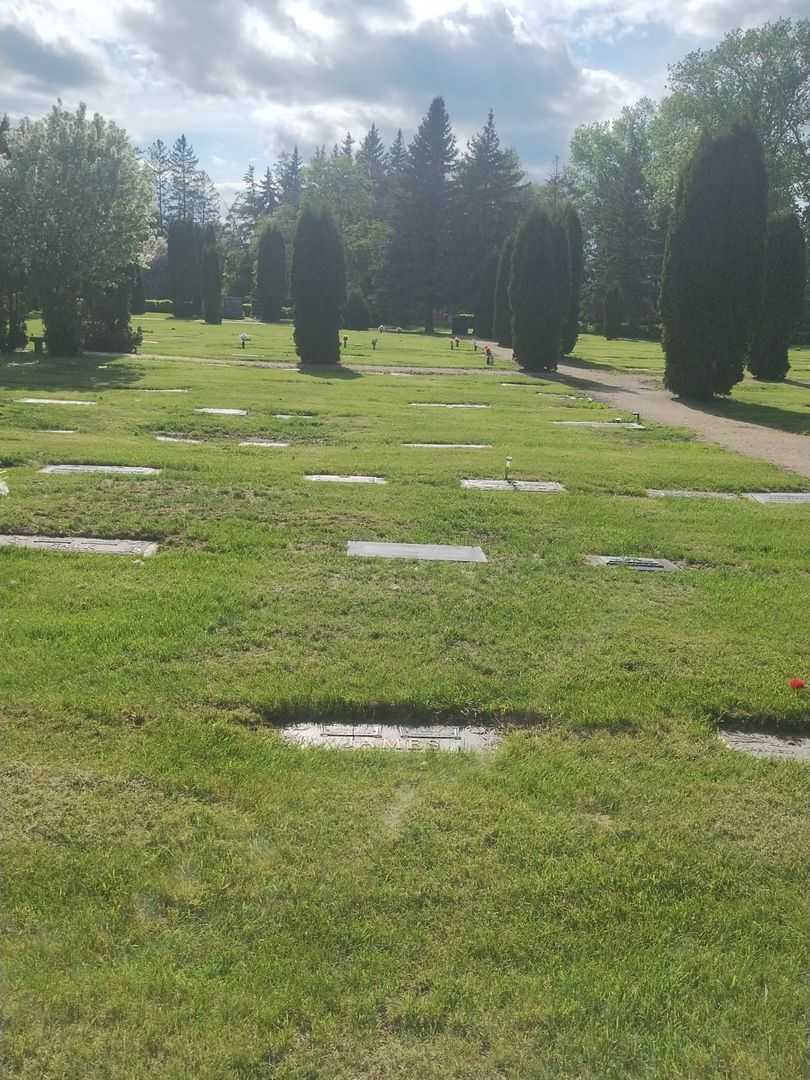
611,894
784,405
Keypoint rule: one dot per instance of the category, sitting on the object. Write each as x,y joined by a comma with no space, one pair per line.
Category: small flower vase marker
507,469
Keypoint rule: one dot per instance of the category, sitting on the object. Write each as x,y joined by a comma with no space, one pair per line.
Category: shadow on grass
81,373
330,371
789,420
404,713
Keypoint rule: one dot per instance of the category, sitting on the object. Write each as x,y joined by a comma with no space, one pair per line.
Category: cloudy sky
245,79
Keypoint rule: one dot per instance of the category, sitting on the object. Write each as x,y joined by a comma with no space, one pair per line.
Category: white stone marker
434,552
778,496
391,737
50,401
633,562
450,445
293,416
675,493
546,487
151,390
444,405
3,487
600,424
59,431
333,479
85,545
223,412
124,470
179,439
273,444
768,744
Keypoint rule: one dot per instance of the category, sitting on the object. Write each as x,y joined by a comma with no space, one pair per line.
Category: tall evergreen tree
271,275
290,177
613,316
782,298
533,292
431,157
502,316
160,168
371,155
485,196
713,270
318,286
211,278
184,266
268,196
576,261
485,308
183,163
396,160
137,300
347,146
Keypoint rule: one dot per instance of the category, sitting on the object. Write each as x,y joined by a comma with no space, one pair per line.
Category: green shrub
318,286
782,298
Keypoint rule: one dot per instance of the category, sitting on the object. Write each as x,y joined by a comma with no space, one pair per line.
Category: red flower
797,684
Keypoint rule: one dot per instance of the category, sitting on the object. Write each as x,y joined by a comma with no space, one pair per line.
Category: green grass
166,336
784,405
611,894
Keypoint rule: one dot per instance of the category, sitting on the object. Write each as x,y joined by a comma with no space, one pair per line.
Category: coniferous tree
713,269
184,258
105,325
396,160
290,177
782,298
356,315
485,309
371,155
502,315
268,196
318,286
137,300
271,275
613,316
160,169
211,274
183,164
576,259
347,146
533,293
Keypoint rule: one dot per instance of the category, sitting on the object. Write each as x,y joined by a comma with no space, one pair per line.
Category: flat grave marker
768,744
84,545
50,401
179,439
677,493
222,412
332,478
123,470
3,487
157,390
544,487
601,424
778,496
445,405
441,737
449,445
293,416
59,431
633,562
272,444
430,552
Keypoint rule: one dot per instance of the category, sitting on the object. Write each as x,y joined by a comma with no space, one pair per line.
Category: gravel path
646,395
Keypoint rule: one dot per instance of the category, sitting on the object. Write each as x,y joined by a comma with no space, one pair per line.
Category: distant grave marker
449,445
158,390
222,412
179,439
778,496
600,424
445,405
334,479
3,487
400,737
768,744
546,487
50,401
272,444
675,493
124,470
431,552
59,431
84,545
293,416
633,562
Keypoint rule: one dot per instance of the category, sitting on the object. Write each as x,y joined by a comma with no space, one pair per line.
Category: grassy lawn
610,894
166,336
784,405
